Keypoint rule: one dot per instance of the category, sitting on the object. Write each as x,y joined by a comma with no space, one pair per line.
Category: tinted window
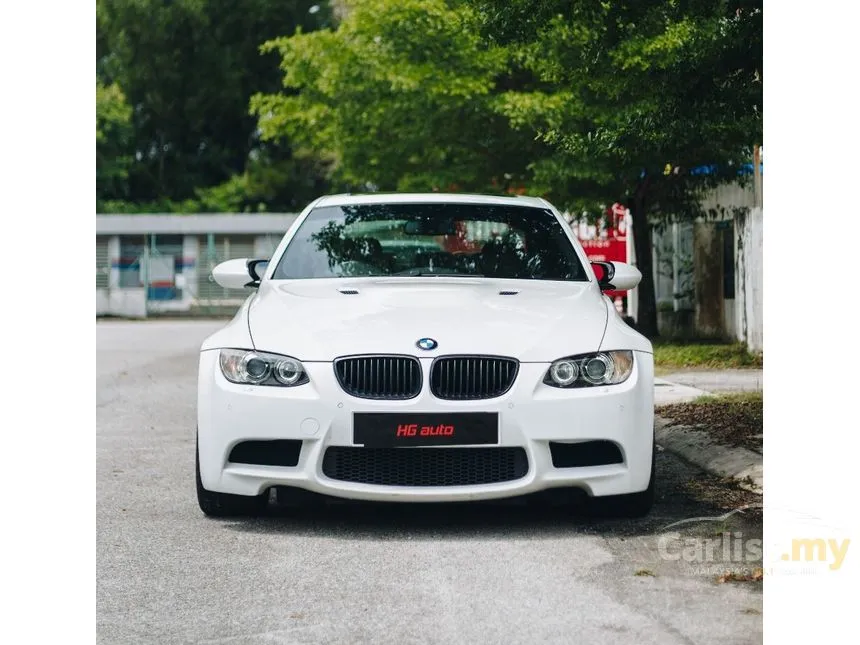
431,239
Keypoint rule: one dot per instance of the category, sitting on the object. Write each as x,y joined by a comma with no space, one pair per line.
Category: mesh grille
472,377
425,466
379,377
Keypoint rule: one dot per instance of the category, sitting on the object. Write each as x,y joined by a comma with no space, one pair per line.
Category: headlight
259,368
563,373
586,370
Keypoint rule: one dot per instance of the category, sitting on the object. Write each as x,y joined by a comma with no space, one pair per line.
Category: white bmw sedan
426,348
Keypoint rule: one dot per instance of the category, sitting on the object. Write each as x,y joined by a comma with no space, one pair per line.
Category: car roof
429,198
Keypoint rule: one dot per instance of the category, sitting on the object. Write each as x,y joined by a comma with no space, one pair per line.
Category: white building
163,263
708,273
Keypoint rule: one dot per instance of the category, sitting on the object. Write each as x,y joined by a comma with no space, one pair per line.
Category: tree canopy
399,97
113,140
586,103
187,69
629,91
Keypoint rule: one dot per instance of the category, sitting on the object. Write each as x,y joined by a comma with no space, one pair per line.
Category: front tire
225,505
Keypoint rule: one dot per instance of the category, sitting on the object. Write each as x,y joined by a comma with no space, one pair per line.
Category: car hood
531,320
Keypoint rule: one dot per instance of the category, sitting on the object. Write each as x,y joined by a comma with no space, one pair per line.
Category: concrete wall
102,302
728,196
729,318
113,301
744,206
709,318
688,258
673,279
749,326
130,303
663,253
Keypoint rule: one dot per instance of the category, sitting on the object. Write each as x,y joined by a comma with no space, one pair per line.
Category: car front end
532,437
425,388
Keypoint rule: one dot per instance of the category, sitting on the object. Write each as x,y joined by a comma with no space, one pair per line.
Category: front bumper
531,414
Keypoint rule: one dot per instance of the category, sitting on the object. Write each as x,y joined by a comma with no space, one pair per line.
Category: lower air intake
584,453
425,466
278,452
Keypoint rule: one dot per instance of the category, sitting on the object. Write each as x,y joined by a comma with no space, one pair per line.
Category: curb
697,447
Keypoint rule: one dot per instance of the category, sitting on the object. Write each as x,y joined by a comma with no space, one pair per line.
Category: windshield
430,240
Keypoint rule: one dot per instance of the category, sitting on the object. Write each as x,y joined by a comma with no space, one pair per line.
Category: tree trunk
646,319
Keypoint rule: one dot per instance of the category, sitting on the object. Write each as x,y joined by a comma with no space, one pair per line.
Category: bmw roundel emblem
427,343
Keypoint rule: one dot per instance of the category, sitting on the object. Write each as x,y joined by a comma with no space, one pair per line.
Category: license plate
387,429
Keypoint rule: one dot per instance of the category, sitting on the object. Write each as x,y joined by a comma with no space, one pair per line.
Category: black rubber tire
226,505
632,505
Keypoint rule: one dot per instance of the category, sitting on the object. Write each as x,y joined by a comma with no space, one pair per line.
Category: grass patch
732,399
675,354
735,419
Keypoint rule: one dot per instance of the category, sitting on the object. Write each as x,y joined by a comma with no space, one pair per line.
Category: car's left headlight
250,367
589,370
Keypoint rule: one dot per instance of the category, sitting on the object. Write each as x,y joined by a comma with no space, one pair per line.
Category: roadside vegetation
672,354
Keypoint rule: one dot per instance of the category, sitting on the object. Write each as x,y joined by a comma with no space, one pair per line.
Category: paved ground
668,392
687,385
351,573
718,380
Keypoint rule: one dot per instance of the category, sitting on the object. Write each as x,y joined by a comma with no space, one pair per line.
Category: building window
131,257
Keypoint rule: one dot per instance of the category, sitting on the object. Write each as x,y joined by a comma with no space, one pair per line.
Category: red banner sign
605,241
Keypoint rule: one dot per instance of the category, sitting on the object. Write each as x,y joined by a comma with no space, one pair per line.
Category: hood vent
508,293
349,292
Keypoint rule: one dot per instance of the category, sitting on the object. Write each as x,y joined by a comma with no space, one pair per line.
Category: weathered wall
129,303
673,279
744,206
749,267
729,196
708,279
102,302
688,253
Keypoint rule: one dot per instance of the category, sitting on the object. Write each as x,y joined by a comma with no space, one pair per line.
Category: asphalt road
359,573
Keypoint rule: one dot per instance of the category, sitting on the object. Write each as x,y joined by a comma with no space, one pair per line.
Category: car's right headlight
589,370
250,367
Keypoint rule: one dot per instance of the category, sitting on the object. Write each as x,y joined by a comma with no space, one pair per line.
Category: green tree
188,69
634,98
399,97
113,142
586,102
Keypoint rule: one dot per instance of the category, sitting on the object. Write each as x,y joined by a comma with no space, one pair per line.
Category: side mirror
616,276
240,273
